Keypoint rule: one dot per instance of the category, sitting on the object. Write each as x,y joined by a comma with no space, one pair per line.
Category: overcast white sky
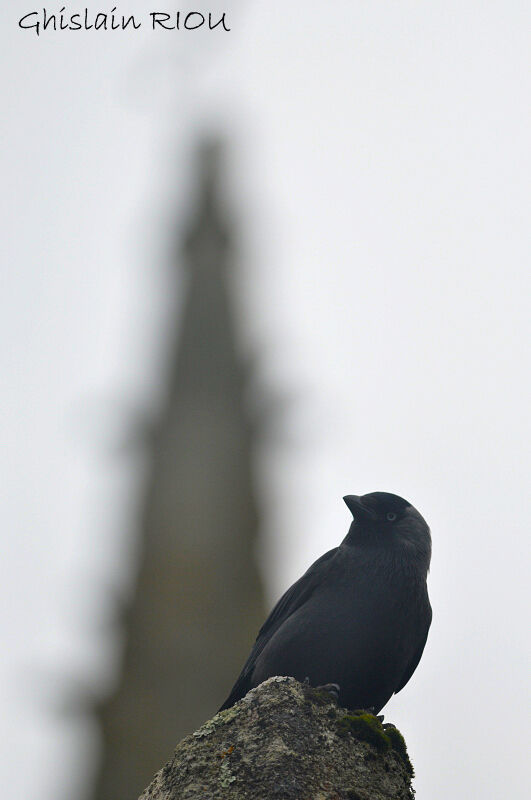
380,158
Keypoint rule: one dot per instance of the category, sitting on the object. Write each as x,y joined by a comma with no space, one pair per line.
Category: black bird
359,617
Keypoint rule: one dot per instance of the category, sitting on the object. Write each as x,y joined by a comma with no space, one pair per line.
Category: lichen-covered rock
287,741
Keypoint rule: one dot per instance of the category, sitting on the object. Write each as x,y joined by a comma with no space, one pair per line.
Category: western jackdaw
359,617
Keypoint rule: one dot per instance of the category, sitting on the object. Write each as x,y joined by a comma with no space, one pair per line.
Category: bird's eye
390,516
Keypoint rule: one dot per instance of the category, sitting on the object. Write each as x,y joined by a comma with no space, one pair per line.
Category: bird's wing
290,601
412,666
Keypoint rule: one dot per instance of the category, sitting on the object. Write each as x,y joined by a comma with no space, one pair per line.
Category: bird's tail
239,690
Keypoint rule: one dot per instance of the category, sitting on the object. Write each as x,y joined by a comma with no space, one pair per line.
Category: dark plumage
359,617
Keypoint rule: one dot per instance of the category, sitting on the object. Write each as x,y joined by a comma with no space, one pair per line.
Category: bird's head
387,520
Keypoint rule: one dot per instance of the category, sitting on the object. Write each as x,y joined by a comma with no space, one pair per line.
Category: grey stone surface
287,740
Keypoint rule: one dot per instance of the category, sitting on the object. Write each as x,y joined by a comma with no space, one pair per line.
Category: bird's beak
357,509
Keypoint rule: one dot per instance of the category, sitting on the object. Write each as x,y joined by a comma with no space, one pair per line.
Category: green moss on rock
398,743
367,728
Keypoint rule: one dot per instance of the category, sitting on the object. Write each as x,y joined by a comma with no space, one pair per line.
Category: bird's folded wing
412,666
290,601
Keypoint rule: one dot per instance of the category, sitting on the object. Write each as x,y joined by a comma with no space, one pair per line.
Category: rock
287,741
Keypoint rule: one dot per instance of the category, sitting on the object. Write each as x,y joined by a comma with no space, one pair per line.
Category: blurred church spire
197,602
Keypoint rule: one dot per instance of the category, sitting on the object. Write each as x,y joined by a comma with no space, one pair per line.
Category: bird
358,619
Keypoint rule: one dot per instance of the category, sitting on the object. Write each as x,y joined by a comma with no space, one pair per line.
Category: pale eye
390,516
